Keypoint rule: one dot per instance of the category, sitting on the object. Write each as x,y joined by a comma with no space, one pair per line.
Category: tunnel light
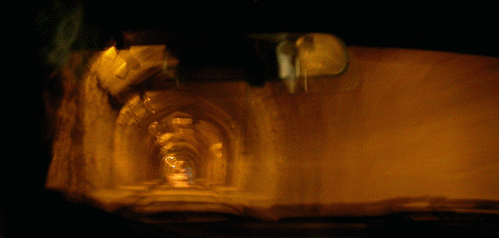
157,128
179,172
164,138
190,149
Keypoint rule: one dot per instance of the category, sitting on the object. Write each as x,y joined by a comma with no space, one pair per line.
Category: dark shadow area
27,209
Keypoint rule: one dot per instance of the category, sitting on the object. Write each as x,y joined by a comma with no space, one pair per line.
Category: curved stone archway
158,128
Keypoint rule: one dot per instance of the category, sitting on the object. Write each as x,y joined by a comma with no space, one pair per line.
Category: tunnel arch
136,151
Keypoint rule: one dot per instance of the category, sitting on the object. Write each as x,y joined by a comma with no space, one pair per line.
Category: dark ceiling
388,28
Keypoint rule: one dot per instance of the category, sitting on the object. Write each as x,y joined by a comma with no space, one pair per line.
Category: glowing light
156,128
164,138
147,105
182,121
217,146
169,160
111,53
180,174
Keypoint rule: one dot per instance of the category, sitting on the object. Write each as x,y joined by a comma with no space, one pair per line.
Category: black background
26,208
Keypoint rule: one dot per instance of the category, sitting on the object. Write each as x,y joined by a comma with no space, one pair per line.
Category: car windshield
380,129
272,125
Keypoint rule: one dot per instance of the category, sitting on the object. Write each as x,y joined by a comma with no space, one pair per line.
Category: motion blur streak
422,123
414,123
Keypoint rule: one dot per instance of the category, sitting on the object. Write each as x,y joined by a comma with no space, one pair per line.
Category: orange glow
408,124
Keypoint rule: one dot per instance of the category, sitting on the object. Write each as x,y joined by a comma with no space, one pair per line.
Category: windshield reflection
393,124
